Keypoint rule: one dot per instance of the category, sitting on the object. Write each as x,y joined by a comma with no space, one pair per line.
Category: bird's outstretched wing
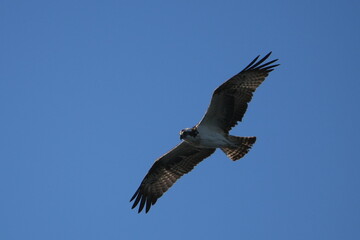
166,171
230,100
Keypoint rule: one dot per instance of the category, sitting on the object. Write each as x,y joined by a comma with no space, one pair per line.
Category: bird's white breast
210,138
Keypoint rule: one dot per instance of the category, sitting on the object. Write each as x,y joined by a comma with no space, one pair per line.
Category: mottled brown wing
230,100
166,171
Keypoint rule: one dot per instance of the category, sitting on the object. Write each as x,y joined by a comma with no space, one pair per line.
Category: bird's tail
242,147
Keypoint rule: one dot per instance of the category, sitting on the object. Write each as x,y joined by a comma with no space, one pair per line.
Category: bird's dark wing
166,171
230,100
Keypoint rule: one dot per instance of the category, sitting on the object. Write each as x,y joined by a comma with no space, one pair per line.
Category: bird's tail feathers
243,145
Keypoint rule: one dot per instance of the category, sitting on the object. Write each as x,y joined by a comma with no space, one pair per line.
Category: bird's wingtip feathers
256,65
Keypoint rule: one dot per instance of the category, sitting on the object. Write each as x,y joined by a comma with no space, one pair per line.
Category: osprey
227,107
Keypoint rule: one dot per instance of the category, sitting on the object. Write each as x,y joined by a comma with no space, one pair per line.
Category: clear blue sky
92,92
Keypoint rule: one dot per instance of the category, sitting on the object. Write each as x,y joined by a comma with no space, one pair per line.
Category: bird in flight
227,107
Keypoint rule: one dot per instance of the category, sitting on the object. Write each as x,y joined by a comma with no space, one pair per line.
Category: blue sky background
92,92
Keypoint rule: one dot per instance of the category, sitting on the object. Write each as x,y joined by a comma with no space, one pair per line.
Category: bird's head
188,132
